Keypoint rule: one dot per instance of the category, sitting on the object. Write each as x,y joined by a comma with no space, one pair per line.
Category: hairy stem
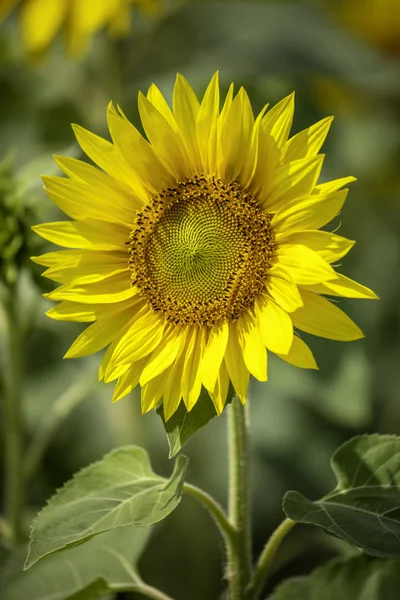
142,588
239,556
13,480
267,556
215,509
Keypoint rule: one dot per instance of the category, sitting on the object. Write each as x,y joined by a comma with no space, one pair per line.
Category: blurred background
342,58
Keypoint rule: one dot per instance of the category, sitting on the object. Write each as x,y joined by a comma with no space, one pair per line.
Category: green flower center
201,251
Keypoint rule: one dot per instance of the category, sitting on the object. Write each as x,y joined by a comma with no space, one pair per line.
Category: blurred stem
143,589
267,556
60,409
239,555
13,480
215,509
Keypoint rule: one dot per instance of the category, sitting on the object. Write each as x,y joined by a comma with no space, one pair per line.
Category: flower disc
200,251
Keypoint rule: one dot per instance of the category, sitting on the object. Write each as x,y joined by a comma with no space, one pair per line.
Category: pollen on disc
201,251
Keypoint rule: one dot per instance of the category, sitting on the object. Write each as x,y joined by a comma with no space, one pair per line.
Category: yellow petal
214,354
254,353
307,142
118,370
310,212
186,107
164,355
129,380
158,101
330,247
104,236
237,370
320,317
114,188
332,186
274,324
266,157
218,396
108,157
300,355
191,372
92,267
172,394
58,258
167,144
343,286
85,313
142,337
248,175
283,289
151,392
80,201
291,181
98,334
207,121
304,266
278,121
234,137
72,311
116,289
151,175
40,22
63,233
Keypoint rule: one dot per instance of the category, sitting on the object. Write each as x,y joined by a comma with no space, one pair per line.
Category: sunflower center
200,251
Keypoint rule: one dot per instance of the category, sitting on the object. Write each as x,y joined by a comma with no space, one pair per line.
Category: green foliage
364,509
183,424
104,564
17,214
117,491
357,578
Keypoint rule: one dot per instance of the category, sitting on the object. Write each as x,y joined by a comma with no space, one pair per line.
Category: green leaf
105,564
119,490
364,509
183,424
357,578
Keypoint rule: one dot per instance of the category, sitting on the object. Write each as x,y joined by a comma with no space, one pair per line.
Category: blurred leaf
357,578
352,380
102,565
364,509
183,424
119,490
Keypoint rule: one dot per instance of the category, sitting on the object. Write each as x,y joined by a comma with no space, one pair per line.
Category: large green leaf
105,564
357,578
119,490
364,509
183,424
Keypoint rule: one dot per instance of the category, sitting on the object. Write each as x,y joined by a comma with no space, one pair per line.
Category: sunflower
41,20
378,21
196,251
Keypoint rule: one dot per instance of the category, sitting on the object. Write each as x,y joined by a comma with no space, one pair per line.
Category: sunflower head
41,20
198,249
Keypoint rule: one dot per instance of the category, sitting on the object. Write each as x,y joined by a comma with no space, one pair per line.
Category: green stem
13,480
143,589
267,556
239,555
215,509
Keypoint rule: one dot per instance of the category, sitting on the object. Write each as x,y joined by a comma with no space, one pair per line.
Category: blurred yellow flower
197,250
376,20
41,20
